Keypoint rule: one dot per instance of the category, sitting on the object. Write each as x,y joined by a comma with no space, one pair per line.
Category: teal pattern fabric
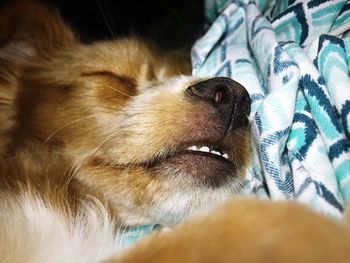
131,235
293,57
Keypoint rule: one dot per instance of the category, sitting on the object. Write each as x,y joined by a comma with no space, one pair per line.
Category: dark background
169,23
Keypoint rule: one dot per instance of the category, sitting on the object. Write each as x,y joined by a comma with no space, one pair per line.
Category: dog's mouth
209,165
212,152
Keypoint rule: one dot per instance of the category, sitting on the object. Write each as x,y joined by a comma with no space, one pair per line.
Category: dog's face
157,145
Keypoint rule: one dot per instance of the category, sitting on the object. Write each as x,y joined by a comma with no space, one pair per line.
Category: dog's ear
29,28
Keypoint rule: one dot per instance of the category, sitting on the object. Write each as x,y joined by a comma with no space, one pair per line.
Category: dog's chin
194,182
202,168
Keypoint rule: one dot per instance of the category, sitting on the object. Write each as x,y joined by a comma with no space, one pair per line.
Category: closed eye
127,82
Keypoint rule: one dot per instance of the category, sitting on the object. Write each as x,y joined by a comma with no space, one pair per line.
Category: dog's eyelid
125,80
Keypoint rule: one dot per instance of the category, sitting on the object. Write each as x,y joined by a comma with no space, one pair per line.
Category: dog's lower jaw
139,197
169,211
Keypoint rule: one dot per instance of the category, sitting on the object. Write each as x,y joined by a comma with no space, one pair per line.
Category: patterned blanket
294,59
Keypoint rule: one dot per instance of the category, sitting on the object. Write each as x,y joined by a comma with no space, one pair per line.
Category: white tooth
204,149
215,152
225,155
192,148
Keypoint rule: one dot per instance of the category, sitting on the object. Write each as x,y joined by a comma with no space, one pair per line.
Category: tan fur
99,123
248,230
85,138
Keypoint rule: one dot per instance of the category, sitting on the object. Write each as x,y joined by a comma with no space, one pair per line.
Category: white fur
177,203
30,231
188,200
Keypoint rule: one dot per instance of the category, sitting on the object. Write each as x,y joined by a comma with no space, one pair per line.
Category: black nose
228,98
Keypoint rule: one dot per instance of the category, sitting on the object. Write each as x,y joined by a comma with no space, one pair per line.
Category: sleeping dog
97,138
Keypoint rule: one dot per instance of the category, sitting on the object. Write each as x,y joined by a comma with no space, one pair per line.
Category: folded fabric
293,57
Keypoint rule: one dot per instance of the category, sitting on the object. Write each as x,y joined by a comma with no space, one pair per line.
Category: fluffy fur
32,231
95,136
93,140
248,230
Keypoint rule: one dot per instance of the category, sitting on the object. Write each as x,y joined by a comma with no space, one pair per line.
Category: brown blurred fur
248,230
81,125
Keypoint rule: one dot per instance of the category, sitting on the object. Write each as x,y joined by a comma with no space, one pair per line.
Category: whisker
109,14
66,125
99,146
175,13
105,18
72,172
91,154
118,91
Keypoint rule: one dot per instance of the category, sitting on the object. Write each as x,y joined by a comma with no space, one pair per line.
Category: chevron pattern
298,78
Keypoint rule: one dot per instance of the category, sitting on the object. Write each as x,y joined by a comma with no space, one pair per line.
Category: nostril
219,95
207,92
224,93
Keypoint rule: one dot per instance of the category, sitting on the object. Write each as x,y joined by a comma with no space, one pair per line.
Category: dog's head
156,144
